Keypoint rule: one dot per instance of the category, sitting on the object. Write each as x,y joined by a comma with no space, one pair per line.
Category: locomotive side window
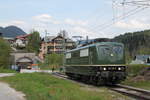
68,55
104,51
84,52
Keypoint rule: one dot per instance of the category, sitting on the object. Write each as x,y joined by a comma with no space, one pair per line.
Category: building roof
23,37
49,38
24,59
94,40
95,44
142,57
137,62
69,40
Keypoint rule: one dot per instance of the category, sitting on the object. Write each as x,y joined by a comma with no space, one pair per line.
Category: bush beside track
138,76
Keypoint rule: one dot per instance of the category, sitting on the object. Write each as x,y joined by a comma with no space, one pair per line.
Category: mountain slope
1,28
11,31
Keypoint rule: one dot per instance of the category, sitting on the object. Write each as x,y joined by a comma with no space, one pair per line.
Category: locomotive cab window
84,52
68,55
110,53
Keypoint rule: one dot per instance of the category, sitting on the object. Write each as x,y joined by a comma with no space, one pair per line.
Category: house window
68,55
50,47
59,47
84,52
59,41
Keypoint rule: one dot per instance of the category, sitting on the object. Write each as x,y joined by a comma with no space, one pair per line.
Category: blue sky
77,17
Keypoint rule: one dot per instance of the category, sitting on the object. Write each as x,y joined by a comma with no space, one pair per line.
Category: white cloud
132,24
75,22
84,32
77,27
25,26
15,22
18,22
43,18
3,24
80,30
46,18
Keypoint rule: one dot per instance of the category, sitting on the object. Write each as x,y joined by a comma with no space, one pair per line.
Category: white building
21,41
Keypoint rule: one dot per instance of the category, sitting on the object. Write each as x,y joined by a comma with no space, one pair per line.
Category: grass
44,67
139,84
41,86
7,71
134,70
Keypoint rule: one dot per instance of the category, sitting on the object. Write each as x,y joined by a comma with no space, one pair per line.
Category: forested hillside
135,43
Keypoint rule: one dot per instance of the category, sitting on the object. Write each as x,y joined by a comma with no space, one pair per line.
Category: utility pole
46,33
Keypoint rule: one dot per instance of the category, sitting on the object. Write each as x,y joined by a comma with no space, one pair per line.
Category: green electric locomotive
98,63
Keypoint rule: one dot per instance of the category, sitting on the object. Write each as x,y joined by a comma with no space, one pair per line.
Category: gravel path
6,74
8,93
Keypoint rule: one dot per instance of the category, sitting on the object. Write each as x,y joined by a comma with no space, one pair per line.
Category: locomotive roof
95,44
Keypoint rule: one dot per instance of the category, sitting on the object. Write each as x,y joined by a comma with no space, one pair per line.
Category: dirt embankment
143,75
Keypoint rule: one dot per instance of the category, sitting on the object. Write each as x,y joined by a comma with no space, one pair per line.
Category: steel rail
137,93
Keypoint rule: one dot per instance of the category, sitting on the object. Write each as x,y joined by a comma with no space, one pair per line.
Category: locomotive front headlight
104,68
119,68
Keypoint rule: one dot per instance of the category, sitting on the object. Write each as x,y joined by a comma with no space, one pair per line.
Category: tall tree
34,41
54,60
4,54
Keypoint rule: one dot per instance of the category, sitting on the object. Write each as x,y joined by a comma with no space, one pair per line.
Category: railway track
62,75
139,94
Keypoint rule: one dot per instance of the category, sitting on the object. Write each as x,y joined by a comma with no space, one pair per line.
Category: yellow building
58,44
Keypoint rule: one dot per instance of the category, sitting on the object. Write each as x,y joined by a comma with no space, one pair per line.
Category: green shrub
2,70
52,61
134,70
4,54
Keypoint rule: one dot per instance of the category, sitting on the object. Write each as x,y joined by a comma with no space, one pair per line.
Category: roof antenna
123,4
113,8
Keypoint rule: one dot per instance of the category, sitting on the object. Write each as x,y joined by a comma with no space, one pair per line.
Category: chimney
87,39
